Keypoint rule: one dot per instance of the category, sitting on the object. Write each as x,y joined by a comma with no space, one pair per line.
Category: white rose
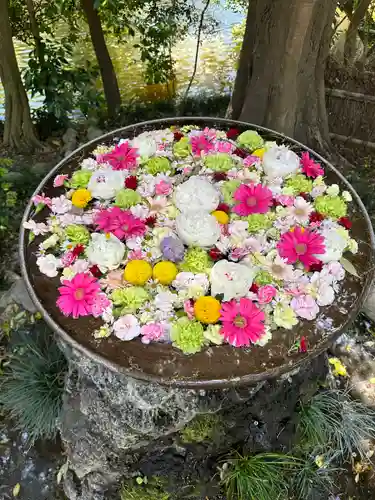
231,279
333,190
196,194
346,196
105,184
335,243
198,229
48,265
280,161
105,252
146,146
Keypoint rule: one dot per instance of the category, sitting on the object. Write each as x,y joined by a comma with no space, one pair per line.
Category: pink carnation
251,160
100,304
253,198
152,332
309,167
301,244
163,187
122,157
200,144
305,307
78,295
189,308
121,223
266,293
59,180
42,199
242,322
224,147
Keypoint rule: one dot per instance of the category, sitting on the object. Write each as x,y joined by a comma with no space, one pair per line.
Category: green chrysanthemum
158,165
182,148
331,206
250,140
187,335
77,234
127,198
263,278
129,299
300,184
219,162
80,179
227,190
196,261
257,222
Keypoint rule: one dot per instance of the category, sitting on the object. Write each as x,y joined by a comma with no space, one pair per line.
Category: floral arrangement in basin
194,237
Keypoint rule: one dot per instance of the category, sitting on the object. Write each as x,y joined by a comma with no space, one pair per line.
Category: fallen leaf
16,490
62,472
348,266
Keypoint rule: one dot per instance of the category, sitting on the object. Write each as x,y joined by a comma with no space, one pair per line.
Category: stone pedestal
114,427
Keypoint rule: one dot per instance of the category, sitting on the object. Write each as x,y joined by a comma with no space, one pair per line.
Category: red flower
302,345
240,152
95,271
178,135
77,250
309,167
305,196
233,133
131,182
215,254
316,267
316,217
151,220
254,288
223,207
220,176
344,221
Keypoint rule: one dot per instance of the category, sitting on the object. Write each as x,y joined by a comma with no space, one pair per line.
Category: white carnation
196,194
280,161
106,252
48,264
198,229
105,183
335,242
146,146
231,279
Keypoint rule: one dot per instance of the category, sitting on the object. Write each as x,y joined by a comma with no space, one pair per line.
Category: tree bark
18,131
280,80
109,79
355,19
39,46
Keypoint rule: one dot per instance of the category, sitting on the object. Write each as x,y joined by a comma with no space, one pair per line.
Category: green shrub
144,489
32,384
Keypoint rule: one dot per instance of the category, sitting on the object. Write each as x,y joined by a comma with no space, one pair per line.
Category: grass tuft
32,384
337,425
150,490
258,477
309,482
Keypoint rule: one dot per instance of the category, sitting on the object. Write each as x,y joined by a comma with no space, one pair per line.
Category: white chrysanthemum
145,145
196,194
104,184
48,264
105,251
186,281
231,279
336,240
198,229
280,161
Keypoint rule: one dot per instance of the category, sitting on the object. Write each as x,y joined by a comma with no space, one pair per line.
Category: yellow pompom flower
259,152
165,272
207,310
221,217
137,272
81,197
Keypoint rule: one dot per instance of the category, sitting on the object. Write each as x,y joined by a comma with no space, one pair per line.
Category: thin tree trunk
39,46
288,43
18,130
110,85
355,18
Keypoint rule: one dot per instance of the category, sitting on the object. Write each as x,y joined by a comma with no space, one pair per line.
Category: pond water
215,71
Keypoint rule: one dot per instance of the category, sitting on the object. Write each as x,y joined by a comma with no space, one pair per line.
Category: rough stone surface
115,427
18,293
93,132
42,168
369,305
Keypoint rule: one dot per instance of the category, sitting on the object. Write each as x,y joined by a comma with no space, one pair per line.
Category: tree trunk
280,80
110,85
39,46
18,131
355,18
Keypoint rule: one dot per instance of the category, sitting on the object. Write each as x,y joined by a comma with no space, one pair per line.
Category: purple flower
172,248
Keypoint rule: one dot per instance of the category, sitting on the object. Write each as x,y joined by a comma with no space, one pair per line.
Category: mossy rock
202,428
152,489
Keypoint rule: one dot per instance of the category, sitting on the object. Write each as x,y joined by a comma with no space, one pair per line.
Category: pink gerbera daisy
309,167
122,157
78,295
242,322
122,223
200,143
253,198
301,244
